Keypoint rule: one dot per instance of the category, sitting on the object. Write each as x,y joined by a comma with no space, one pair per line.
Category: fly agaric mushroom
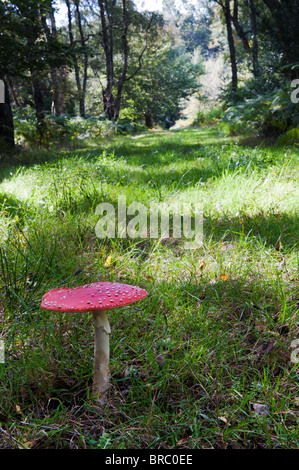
96,298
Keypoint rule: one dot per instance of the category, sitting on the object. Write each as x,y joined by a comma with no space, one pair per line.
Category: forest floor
208,359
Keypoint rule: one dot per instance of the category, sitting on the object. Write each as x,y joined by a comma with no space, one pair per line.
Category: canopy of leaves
167,77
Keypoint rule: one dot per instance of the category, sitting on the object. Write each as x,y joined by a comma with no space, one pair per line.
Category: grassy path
205,361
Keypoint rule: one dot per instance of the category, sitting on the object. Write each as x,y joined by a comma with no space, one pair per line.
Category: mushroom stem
101,356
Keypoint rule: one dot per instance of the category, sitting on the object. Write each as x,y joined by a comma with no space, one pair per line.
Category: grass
205,360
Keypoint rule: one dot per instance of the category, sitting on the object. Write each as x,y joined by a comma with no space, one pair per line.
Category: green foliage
126,126
209,117
58,130
269,114
25,125
167,77
23,43
291,137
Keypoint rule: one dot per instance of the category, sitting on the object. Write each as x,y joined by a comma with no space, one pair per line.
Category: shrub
291,137
56,130
269,114
208,117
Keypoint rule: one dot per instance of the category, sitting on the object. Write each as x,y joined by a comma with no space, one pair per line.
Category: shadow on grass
277,230
202,154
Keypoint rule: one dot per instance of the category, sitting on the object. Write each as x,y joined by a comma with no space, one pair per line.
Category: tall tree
156,93
80,76
232,17
107,13
32,17
226,8
26,53
11,63
238,27
6,119
85,57
285,17
56,73
252,50
255,47
116,17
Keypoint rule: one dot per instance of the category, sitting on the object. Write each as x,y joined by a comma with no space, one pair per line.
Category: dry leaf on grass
108,261
259,409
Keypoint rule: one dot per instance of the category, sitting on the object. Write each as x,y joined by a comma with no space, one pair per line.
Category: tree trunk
240,31
39,104
37,95
231,45
32,36
125,48
108,103
13,93
285,15
254,49
81,90
32,29
85,62
58,103
107,41
111,103
6,121
148,120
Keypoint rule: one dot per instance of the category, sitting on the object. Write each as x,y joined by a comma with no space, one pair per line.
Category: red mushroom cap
96,296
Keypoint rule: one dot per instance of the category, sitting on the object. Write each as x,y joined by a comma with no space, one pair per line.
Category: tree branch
143,50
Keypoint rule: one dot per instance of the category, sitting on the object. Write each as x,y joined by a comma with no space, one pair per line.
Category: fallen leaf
259,409
222,418
224,277
181,442
202,266
28,444
108,261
